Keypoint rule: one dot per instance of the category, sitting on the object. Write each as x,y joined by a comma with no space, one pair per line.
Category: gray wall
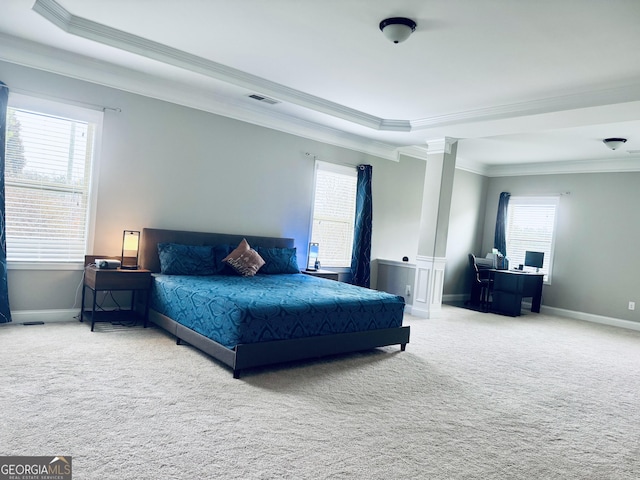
596,260
397,189
466,226
167,166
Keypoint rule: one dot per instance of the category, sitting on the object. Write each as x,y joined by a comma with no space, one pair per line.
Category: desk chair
481,283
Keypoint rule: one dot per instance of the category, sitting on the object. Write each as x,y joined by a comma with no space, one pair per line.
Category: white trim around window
532,225
333,216
61,112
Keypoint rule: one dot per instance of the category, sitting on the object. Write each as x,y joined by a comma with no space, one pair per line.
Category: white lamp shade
397,29
130,244
397,33
614,143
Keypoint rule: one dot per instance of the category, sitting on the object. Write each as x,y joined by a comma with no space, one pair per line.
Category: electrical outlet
407,291
632,305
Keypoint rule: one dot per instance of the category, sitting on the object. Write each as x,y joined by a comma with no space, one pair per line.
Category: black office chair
481,287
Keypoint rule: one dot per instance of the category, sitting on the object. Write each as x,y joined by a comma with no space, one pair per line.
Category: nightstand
97,280
323,274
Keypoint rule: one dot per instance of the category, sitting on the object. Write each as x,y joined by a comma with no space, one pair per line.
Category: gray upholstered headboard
152,236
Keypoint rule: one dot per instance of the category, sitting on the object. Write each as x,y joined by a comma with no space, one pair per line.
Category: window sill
44,265
336,269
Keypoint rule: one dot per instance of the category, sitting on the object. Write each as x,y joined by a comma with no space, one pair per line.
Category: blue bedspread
233,310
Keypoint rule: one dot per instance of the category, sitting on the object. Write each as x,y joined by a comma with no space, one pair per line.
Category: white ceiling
525,86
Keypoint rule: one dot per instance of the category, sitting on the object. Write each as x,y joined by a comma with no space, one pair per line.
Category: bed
277,315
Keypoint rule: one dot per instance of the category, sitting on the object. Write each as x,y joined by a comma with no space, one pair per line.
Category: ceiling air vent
263,99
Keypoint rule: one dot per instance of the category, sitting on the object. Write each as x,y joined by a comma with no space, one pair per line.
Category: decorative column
434,228
427,300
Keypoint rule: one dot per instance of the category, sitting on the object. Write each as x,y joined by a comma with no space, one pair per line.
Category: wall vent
263,99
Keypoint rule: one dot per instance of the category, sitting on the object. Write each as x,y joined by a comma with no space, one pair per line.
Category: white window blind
531,225
334,213
47,183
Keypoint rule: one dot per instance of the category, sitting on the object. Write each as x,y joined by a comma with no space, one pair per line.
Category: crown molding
471,166
629,164
395,125
595,98
441,145
71,65
431,147
415,151
316,132
57,15
63,19
42,57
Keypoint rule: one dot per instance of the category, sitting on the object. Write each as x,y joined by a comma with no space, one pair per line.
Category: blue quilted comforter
233,310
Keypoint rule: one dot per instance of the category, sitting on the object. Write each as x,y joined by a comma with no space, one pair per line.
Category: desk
511,286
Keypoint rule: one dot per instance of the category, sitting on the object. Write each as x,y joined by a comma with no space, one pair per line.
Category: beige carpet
475,396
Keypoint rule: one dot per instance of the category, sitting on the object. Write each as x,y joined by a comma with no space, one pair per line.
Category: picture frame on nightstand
312,257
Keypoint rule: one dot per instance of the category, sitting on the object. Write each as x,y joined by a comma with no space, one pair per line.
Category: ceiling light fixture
397,29
614,143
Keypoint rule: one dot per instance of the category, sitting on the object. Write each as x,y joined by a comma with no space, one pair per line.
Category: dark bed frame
251,355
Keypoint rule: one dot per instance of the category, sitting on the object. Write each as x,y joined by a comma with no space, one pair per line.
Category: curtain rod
555,194
319,159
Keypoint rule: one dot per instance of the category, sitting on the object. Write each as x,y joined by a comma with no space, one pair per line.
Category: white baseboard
67,315
589,317
46,316
561,312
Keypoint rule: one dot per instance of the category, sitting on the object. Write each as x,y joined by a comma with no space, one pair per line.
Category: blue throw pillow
177,259
278,260
220,252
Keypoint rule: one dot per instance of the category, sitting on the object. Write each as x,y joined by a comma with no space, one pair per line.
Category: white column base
427,291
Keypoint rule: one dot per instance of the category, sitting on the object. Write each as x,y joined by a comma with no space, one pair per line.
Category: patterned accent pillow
244,259
177,259
279,260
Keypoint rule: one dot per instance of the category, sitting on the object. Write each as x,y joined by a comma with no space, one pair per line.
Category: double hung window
531,226
49,160
334,209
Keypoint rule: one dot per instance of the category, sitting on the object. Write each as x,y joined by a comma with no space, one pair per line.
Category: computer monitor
534,259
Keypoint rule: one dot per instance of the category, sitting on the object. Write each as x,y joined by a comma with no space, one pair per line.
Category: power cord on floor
99,304
75,301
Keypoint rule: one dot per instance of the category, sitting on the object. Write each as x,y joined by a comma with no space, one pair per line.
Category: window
49,157
334,209
531,223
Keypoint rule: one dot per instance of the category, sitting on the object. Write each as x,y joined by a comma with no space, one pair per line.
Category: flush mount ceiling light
397,29
614,143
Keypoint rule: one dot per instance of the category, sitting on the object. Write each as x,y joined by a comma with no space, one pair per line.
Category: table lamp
130,245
